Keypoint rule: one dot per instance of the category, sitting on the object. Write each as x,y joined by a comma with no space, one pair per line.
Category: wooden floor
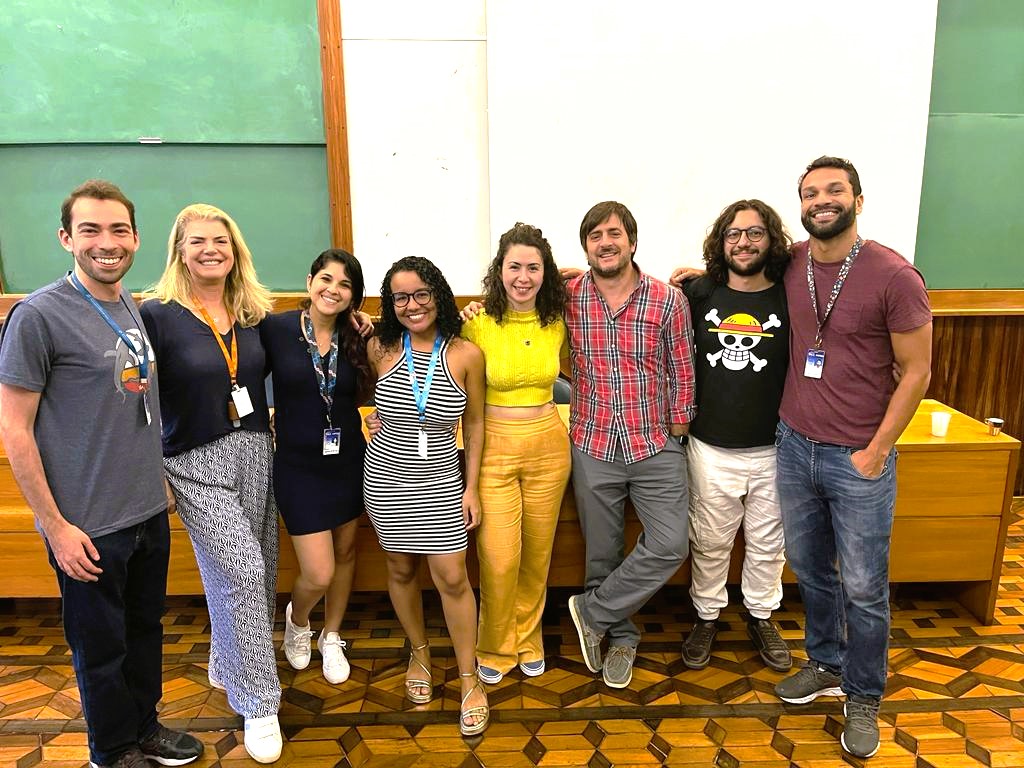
955,696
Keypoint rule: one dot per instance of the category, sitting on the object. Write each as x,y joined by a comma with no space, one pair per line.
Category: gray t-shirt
103,461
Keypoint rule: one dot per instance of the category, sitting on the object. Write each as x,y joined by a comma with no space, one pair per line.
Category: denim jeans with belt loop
838,524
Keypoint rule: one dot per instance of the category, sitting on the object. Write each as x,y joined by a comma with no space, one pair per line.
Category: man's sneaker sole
578,623
836,691
624,684
491,676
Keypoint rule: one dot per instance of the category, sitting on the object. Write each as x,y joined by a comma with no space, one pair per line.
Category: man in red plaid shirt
632,402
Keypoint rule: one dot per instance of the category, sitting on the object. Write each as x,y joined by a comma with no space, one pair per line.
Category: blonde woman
202,321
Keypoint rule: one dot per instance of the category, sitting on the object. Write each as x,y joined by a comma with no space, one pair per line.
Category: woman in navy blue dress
321,375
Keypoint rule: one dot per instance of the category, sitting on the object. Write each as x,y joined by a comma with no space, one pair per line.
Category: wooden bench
952,510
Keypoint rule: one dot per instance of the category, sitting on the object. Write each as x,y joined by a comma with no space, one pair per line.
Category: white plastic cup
940,423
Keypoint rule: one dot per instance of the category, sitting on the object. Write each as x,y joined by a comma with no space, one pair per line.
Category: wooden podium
952,509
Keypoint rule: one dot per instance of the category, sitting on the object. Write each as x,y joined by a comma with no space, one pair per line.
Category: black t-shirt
742,353
299,411
195,386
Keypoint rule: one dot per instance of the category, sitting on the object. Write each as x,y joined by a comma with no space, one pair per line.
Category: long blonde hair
245,297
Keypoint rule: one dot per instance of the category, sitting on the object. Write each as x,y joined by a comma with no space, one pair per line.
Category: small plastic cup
995,426
940,423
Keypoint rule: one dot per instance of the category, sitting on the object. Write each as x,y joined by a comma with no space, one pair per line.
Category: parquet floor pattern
955,696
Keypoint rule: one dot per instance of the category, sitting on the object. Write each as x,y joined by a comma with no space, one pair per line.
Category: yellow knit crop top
521,356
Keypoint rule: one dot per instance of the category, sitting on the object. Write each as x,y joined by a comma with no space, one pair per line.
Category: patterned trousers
224,499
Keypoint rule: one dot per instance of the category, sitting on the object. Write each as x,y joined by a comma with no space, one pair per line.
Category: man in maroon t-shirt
855,308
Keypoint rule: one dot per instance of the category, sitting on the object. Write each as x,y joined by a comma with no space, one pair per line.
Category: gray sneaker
618,666
860,733
590,641
808,683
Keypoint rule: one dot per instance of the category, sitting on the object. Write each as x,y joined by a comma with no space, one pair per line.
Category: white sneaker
336,666
296,641
263,738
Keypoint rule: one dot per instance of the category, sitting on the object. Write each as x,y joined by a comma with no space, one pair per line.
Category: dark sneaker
169,747
618,666
590,641
133,758
807,684
769,643
860,733
697,645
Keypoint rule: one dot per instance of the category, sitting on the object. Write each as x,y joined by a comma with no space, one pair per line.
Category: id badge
421,444
332,442
240,398
145,407
814,364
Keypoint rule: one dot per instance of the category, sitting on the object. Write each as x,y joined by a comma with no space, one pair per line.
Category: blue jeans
113,629
834,516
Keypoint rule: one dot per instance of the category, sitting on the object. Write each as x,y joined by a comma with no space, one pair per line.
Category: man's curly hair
448,321
778,251
552,295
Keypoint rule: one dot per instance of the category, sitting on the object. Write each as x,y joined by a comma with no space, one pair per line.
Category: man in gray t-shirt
79,421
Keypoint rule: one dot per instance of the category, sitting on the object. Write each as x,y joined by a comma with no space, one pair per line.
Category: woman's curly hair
448,321
552,295
351,345
778,251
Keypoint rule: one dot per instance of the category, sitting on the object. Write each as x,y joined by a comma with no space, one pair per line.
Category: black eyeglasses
421,297
754,234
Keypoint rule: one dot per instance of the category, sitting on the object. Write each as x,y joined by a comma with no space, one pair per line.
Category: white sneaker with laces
336,666
263,738
296,641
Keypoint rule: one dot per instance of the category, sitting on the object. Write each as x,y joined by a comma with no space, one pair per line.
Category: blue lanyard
421,396
142,354
326,383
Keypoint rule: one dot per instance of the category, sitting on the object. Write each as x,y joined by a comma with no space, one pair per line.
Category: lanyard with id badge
325,381
141,354
814,365
420,396
240,404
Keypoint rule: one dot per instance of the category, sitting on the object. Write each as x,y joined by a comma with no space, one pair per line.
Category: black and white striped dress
415,504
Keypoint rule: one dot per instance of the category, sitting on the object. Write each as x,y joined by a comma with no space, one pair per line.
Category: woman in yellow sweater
526,463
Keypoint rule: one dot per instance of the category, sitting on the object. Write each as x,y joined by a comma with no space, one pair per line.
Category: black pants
113,629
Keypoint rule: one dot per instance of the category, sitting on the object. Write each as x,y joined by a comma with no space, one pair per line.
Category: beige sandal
482,711
410,685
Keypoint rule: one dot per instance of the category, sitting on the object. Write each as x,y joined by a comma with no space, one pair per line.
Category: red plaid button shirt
632,368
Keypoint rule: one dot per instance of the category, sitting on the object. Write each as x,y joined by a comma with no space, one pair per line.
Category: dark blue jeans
113,629
838,524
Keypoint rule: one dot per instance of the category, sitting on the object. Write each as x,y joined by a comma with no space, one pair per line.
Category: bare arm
72,548
913,354
473,431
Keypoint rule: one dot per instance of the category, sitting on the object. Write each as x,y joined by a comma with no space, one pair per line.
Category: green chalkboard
277,194
233,71
970,228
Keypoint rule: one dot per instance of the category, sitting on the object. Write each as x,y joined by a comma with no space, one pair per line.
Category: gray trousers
618,585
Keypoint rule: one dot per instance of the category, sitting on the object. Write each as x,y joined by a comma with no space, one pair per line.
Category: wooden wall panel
978,368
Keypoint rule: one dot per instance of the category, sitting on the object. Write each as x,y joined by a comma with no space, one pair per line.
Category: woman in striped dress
427,378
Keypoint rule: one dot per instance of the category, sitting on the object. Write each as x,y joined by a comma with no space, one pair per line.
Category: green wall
231,88
971,228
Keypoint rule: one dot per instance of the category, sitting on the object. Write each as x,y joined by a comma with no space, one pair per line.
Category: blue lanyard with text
420,396
843,272
325,382
141,354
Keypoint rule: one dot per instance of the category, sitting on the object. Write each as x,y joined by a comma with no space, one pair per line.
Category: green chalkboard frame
277,194
231,71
